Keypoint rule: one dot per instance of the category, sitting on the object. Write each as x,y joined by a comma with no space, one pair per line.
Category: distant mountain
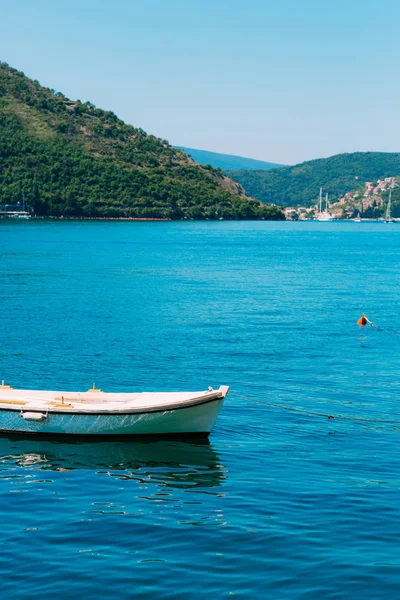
300,184
69,158
227,161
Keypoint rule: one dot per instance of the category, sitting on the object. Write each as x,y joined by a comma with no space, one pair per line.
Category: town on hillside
368,202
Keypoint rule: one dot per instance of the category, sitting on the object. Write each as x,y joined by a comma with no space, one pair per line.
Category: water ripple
278,504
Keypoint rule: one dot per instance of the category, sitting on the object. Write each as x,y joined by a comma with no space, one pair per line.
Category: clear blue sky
283,81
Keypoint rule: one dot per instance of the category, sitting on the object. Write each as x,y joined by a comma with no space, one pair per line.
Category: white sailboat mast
326,202
320,199
389,206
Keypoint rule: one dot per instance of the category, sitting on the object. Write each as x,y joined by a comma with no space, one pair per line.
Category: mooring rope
362,321
365,321
315,413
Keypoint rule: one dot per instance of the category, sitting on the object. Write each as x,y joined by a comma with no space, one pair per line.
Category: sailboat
357,219
326,215
388,218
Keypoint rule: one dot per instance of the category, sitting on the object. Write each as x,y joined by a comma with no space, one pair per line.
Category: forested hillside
300,184
70,158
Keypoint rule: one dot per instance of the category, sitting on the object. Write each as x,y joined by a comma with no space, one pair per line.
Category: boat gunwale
137,411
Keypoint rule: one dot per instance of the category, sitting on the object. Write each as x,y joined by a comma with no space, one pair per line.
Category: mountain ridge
227,162
299,184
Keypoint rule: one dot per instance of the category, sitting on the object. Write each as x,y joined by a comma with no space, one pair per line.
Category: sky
283,81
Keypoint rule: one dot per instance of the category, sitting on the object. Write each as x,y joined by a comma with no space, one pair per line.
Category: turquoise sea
279,504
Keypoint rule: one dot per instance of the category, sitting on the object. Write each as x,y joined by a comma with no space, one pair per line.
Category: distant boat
326,215
357,219
388,217
95,412
24,214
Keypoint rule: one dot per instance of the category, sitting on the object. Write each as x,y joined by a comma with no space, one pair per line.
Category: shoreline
35,218
152,219
47,218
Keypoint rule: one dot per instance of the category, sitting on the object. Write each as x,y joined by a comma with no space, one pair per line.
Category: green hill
69,158
300,184
228,161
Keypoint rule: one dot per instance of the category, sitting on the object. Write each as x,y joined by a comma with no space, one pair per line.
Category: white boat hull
197,418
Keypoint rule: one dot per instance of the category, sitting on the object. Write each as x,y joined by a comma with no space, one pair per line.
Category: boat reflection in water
168,463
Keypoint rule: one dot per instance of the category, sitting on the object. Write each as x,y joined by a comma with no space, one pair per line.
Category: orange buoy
363,320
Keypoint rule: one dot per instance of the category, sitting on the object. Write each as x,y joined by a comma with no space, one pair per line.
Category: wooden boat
96,413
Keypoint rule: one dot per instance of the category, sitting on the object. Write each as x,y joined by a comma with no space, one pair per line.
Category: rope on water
362,321
365,321
315,413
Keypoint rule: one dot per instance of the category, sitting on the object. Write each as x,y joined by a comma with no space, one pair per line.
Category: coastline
49,217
